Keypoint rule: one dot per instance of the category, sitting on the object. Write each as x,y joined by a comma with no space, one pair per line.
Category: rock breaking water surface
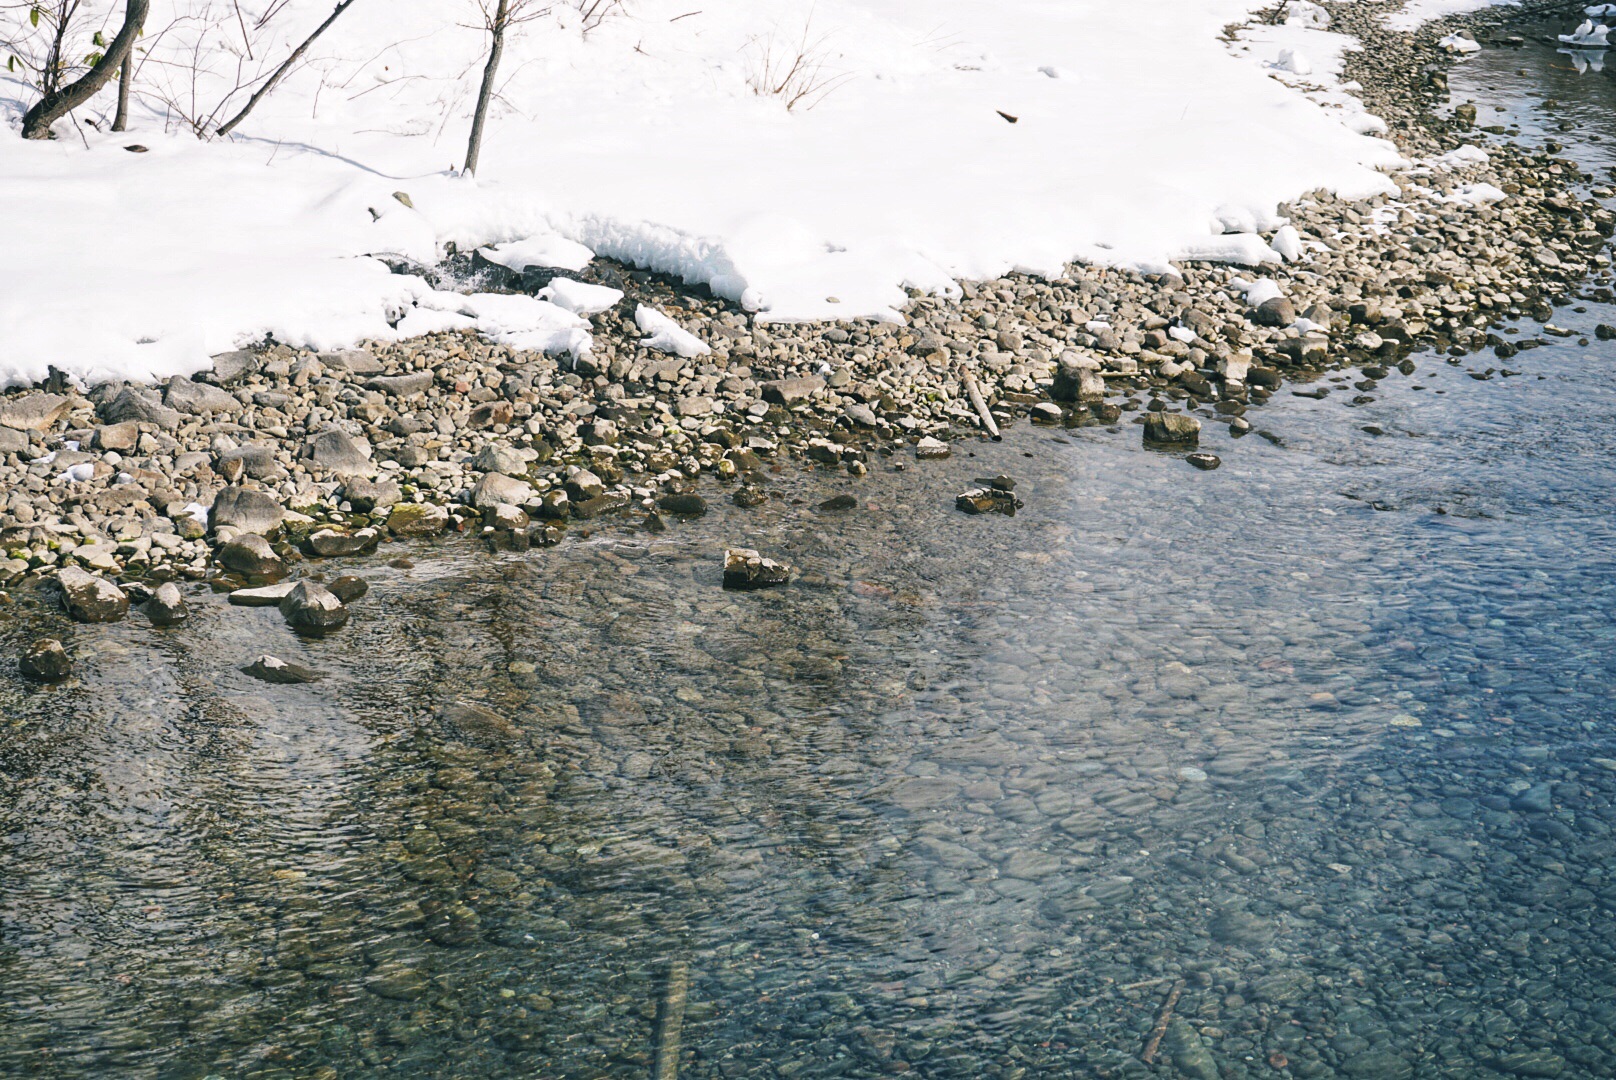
1317,748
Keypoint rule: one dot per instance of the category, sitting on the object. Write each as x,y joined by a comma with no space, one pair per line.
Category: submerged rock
274,670
45,661
744,568
988,500
349,588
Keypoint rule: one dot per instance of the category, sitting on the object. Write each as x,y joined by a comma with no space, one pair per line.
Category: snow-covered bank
1138,137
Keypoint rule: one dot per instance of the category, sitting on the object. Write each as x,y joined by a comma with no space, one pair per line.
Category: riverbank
336,453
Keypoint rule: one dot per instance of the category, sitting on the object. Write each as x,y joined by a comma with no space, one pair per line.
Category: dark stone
988,500
1172,429
746,569
349,588
749,496
1204,461
687,505
1277,312
600,504
839,502
45,661
273,670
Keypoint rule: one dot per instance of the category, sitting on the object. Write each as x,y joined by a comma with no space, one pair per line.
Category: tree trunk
36,123
280,72
126,79
474,149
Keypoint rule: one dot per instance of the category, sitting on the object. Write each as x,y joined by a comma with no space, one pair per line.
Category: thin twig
1162,1021
975,395
670,1021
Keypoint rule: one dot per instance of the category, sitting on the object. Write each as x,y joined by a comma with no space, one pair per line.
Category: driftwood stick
1162,1021
670,1021
975,394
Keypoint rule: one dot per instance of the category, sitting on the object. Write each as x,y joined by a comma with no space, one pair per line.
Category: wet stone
278,672
312,609
90,599
747,569
987,500
1172,429
45,661
684,505
250,554
349,588
167,606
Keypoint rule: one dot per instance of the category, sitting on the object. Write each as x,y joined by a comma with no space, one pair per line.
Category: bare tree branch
281,71
36,123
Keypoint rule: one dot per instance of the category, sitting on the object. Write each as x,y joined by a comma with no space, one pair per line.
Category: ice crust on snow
644,142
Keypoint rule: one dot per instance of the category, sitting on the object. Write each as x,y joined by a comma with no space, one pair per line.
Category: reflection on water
1320,740
1301,767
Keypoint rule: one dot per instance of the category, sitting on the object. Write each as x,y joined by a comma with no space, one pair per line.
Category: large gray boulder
139,405
247,510
495,488
91,599
311,608
338,452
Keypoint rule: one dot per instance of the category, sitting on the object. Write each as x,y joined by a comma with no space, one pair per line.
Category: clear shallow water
1322,741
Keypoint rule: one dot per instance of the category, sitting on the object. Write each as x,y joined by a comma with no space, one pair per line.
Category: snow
579,298
1460,43
1141,139
1416,13
665,335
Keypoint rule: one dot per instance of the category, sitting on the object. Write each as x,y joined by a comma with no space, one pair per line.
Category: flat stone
930,449
13,441
367,496
790,392
1172,429
200,399
599,505
417,519
331,543
408,385
234,366
349,588
34,412
339,453
167,606
266,596
274,670
477,723
353,361
685,505
141,406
